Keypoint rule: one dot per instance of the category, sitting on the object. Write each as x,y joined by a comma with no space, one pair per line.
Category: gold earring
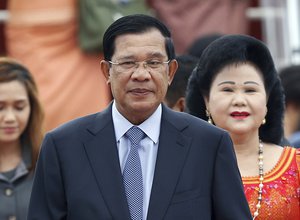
209,117
263,121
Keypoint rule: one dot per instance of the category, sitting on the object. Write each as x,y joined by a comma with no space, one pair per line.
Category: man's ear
173,65
104,66
180,104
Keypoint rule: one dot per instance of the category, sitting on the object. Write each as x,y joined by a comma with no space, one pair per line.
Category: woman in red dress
236,87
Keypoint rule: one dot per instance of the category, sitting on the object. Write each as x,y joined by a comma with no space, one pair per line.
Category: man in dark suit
184,168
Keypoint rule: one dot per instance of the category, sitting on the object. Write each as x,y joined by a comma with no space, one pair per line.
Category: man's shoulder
74,123
82,124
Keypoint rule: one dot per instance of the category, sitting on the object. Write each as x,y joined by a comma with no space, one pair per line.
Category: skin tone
237,103
14,116
139,92
179,105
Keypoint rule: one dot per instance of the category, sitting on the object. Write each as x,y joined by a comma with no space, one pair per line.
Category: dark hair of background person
290,79
233,50
32,136
186,64
134,24
199,45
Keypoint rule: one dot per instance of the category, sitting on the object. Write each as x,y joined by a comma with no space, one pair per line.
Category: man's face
139,89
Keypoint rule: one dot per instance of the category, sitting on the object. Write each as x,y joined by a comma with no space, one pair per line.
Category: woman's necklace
261,178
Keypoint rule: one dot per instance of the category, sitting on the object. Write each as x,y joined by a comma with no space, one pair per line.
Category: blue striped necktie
132,174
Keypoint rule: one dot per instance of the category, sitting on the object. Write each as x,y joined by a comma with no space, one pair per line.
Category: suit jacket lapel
172,151
103,156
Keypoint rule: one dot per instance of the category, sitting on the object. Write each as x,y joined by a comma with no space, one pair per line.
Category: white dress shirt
147,151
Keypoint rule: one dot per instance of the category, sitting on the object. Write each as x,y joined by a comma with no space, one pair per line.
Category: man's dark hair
176,90
135,24
199,45
290,79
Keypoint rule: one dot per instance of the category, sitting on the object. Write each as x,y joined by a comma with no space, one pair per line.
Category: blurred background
45,36
277,22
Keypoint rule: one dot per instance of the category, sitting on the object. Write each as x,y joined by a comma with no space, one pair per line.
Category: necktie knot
135,135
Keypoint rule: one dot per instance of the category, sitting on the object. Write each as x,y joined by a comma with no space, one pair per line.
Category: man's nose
141,71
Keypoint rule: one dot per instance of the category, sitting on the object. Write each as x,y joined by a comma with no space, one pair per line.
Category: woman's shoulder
293,154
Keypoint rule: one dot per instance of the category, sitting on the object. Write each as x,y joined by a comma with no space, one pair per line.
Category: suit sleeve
229,199
47,200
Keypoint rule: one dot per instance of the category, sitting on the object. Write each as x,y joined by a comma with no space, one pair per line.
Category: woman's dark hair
237,49
11,70
137,23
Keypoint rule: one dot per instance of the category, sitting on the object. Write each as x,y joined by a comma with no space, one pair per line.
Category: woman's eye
20,107
227,89
250,90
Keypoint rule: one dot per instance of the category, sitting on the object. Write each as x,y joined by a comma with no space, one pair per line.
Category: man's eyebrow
126,57
150,55
156,54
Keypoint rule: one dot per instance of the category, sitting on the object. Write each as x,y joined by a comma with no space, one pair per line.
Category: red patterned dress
281,191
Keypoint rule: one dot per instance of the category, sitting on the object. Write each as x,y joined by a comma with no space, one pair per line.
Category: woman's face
237,99
14,110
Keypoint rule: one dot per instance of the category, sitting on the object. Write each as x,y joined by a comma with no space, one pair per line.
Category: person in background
190,19
236,87
21,121
199,45
138,159
290,78
175,97
43,35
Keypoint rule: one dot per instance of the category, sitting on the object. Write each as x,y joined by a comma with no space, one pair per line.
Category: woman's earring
209,117
263,121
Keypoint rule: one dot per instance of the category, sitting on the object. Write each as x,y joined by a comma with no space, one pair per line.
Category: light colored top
147,151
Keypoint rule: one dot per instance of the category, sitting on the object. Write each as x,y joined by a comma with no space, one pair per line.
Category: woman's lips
9,130
239,115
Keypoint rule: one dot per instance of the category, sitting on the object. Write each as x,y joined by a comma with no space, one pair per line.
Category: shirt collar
151,126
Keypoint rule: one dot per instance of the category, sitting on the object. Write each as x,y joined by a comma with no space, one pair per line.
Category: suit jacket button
8,192
12,217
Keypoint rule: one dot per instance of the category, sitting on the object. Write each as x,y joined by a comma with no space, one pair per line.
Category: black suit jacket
78,174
